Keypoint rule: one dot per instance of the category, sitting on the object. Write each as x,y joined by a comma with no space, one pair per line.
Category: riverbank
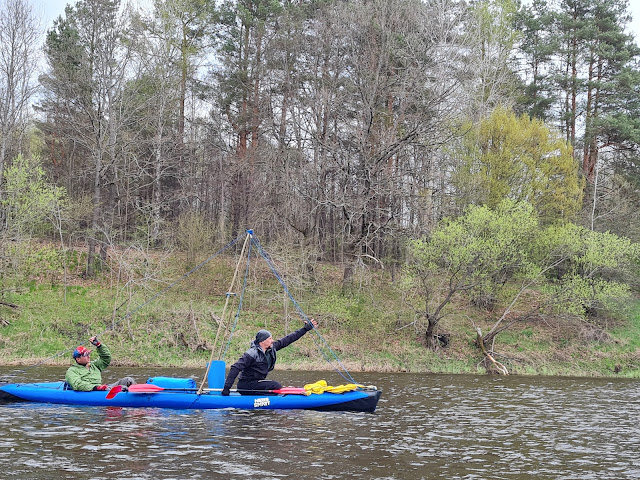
372,328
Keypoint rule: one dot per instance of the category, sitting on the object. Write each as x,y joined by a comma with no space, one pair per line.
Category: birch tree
168,46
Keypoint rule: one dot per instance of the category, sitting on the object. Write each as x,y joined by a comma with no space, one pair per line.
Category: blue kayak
57,392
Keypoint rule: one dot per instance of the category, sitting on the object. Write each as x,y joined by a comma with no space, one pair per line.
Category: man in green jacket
86,375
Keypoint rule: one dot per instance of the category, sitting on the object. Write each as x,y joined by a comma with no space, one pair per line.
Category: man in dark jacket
254,365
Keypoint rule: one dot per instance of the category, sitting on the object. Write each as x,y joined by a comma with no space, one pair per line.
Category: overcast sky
51,9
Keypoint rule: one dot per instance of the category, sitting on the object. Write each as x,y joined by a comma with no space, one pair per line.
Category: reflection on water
426,427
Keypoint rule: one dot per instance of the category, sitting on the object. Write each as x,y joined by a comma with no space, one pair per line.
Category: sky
634,7
49,10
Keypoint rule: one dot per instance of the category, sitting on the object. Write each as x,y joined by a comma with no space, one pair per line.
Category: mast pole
224,310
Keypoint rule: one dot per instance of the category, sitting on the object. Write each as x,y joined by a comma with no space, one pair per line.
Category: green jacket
81,378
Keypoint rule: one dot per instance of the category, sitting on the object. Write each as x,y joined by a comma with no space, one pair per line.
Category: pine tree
537,46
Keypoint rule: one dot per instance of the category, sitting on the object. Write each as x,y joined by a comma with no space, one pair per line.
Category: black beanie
262,335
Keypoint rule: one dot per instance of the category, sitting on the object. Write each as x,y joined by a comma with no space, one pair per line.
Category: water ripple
426,427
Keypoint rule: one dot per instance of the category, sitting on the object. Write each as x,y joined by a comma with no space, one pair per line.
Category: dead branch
498,366
216,318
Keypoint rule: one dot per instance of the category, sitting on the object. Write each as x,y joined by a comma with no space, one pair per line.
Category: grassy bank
372,328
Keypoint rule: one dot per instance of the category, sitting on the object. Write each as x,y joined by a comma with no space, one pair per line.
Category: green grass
629,332
369,328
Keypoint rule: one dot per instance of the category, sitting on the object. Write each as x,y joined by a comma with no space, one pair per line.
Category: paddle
114,391
150,388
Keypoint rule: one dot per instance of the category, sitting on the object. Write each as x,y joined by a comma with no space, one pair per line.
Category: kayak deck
56,392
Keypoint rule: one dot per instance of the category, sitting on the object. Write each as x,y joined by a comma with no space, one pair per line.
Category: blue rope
348,376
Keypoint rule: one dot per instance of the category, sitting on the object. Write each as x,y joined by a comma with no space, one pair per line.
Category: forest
477,156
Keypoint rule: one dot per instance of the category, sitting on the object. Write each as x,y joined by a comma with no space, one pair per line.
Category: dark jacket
255,364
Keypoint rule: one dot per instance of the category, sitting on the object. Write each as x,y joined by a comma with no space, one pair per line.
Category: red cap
81,352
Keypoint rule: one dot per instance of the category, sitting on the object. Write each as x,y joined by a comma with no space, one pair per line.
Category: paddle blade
114,391
144,388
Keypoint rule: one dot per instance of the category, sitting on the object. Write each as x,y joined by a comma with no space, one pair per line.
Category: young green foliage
594,272
506,156
29,198
498,255
478,253
32,206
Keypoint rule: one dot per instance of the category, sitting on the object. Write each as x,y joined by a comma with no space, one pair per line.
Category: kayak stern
365,404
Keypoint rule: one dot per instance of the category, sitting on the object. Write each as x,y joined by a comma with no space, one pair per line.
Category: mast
230,293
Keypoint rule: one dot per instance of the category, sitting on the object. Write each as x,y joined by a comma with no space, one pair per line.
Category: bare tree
19,36
385,89
161,116
88,69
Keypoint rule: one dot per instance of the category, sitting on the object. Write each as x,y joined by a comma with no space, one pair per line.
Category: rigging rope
302,314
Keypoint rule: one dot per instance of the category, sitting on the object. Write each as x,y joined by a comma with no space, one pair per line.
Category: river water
426,427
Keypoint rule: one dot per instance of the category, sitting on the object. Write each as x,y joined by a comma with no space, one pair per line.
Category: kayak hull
55,392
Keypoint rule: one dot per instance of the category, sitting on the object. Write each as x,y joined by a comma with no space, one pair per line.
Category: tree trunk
490,363
587,166
93,232
428,335
156,189
3,153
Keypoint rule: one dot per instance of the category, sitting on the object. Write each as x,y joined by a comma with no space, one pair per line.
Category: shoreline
314,367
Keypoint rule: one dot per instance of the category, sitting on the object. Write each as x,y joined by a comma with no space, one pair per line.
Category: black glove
101,387
225,391
95,341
